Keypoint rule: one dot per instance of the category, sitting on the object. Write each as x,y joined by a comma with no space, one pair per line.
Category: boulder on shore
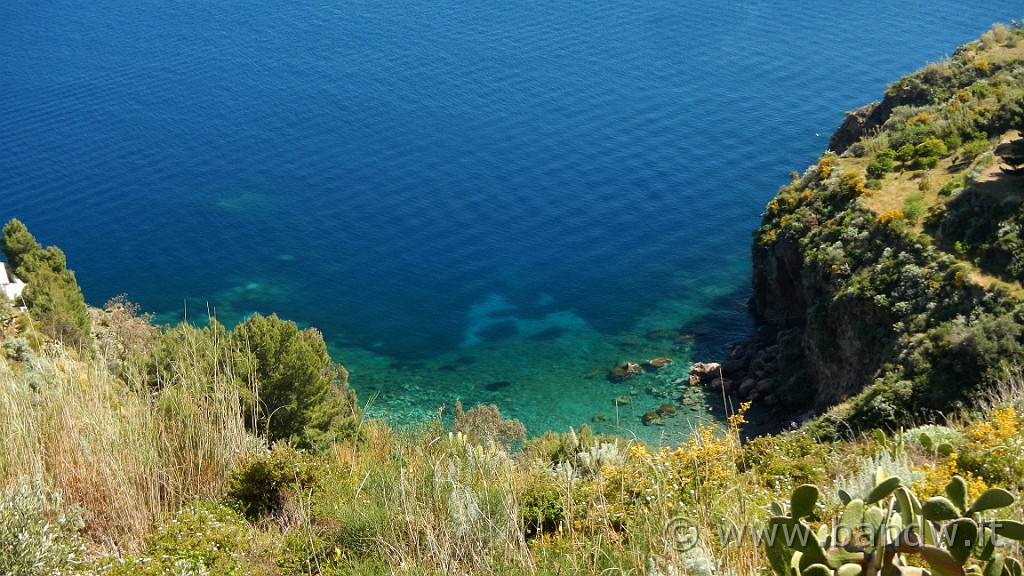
705,373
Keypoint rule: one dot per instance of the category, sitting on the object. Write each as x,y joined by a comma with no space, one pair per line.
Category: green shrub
51,293
925,162
974,148
485,424
17,348
301,395
913,206
905,153
37,535
930,436
958,352
541,507
912,135
952,140
954,183
931,147
261,484
203,538
881,166
786,459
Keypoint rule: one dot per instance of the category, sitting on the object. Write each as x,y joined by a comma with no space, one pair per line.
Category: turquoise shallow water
471,200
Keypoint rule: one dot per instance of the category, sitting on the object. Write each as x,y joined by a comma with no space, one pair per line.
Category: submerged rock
658,333
625,371
657,363
650,418
666,410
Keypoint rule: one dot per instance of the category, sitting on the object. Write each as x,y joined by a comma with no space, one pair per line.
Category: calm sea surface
482,200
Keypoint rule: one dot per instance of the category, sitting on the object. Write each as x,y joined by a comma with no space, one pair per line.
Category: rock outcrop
625,371
867,309
704,373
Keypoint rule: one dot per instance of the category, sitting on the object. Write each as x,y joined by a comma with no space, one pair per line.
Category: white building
10,285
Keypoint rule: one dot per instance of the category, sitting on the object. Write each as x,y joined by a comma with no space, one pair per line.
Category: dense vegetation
899,254
53,293
132,449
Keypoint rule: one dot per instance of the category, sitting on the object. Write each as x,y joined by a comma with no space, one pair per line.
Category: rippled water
475,200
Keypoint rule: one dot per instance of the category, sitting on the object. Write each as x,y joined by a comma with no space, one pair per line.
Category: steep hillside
888,274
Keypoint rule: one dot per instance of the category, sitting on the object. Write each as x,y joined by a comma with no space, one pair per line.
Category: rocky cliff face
830,347
867,120
859,289
858,309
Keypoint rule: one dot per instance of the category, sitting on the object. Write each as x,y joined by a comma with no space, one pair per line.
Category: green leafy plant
889,532
201,538
260,485
882,164
37,535
914,206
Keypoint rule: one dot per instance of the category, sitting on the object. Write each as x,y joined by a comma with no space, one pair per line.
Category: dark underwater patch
548,334
499,385
498,331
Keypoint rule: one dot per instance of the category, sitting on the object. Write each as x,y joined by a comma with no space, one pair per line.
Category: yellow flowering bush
677,477
852,184
825,165
995,449
890,216
936,476
922,118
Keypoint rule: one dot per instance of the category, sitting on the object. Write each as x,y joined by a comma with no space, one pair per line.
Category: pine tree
52,293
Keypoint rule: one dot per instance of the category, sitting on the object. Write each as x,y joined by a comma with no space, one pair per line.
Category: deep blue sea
482,200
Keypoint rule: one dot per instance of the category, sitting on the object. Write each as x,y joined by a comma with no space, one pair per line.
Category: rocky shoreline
752,373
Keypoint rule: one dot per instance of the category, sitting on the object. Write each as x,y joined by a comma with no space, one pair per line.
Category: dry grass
994,47
126,456
898,186
423,501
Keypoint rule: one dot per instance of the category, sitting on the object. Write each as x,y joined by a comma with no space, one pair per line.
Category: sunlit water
482,201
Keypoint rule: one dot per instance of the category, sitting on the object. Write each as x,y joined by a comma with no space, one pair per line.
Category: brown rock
657,363
650,418
625,370
666,410
705,372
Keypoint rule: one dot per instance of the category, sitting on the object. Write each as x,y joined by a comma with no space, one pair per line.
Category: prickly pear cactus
888,532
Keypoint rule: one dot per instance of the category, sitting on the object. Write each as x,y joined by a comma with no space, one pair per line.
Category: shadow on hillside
1005,179
974,223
